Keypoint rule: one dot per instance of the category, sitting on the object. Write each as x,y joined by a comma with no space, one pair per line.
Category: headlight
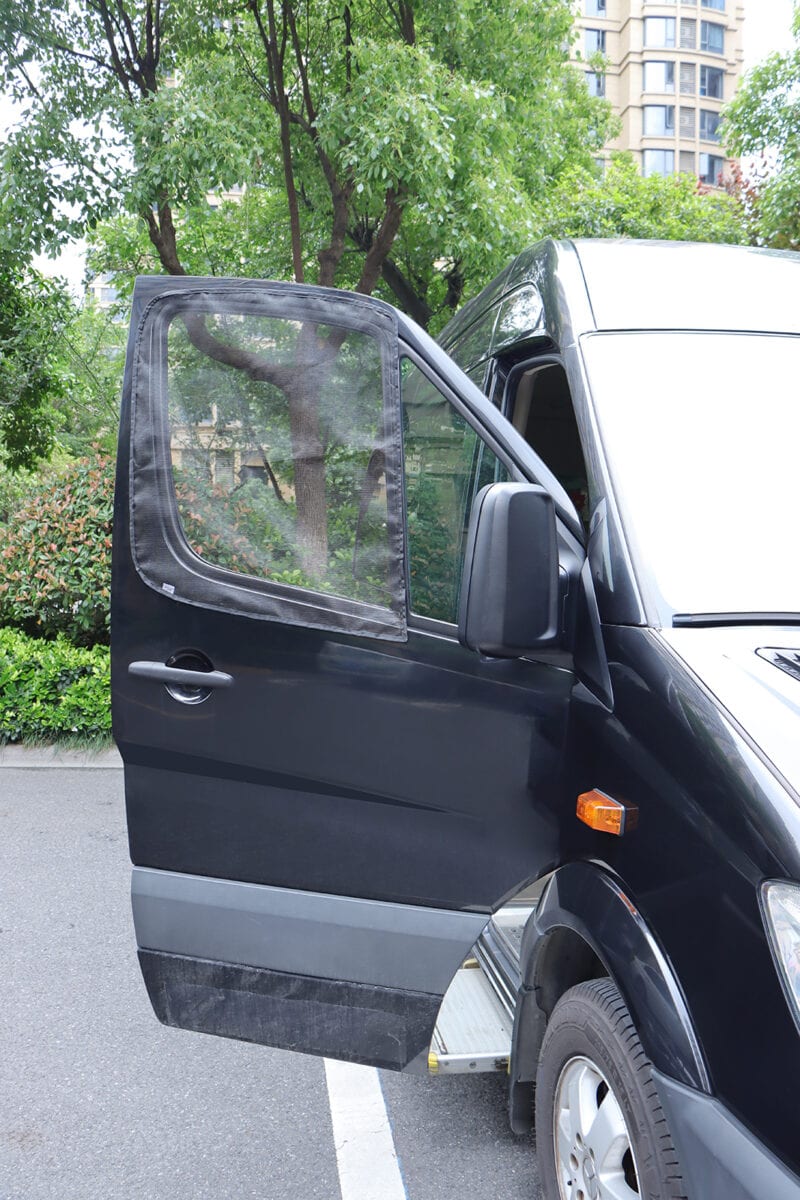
782,911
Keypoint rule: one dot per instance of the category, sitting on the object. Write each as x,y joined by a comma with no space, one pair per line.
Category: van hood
754,672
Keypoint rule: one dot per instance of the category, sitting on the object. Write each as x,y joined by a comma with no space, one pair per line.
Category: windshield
700,432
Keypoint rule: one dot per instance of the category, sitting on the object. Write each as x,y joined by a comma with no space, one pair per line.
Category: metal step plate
473,1033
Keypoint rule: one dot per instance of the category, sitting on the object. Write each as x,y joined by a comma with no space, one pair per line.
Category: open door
327,795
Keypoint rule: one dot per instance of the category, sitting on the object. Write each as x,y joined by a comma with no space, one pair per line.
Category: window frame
600,36
704,135
717,72
705,27
700,174
658,62
649,22
596,84
668,130
658,150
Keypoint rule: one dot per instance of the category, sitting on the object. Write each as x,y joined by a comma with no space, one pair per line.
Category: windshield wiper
736,618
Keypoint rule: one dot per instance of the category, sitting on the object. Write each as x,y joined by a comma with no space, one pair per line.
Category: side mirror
510,583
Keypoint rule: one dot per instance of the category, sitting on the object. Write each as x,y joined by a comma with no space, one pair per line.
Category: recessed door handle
178,675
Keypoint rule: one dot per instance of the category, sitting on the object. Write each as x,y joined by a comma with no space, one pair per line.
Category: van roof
637,285
691,285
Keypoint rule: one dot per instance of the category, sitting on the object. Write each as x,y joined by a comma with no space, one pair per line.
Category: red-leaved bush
55,566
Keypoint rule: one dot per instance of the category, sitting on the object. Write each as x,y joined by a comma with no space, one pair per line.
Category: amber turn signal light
602,812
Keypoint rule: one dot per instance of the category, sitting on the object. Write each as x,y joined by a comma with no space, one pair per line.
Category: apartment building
669,68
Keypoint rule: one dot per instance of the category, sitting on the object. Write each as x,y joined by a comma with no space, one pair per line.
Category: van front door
327,795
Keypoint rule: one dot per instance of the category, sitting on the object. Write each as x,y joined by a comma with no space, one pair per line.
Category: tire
601,1133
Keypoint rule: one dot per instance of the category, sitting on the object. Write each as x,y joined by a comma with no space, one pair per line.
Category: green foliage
624,204
33,314
420,137
90,354
15,487
53,691
60,371
55,568
762,122
434,584
251,531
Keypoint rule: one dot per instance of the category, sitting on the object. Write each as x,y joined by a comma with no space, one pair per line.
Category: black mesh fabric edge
161,555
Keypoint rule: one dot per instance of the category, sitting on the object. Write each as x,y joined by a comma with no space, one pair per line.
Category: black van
485,653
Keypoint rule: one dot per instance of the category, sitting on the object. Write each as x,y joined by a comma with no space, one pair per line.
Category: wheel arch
585,926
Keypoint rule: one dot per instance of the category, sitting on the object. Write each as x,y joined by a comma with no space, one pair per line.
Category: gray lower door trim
401,946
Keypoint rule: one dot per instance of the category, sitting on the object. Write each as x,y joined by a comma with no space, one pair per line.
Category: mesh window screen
266,456
297,412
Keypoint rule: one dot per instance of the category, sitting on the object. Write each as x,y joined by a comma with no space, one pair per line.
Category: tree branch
409,299
382,243
282,105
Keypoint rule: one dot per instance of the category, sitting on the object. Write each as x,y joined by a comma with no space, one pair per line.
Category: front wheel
601,1133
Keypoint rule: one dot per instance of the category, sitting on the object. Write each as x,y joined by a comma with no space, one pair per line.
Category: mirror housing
510,582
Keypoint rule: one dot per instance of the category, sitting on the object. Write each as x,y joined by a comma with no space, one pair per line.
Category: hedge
52,691
55,565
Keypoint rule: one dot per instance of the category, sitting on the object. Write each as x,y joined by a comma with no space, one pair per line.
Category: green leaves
623,204
52,691
55,568
416,141
33,314
762,123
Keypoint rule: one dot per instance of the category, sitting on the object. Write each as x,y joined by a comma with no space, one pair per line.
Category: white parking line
365,1152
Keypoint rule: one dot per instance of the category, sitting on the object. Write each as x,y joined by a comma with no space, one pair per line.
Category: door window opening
541,411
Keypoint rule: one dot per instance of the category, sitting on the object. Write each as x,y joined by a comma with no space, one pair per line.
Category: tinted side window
446,465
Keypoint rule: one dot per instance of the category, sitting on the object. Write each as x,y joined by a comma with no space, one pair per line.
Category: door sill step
473,1032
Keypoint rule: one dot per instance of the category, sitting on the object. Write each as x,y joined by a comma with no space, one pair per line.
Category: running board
474,1028
473,1032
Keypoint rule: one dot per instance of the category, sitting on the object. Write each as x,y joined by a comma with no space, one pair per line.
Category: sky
767,27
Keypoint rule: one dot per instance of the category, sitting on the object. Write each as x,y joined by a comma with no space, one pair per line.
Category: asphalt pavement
99,1101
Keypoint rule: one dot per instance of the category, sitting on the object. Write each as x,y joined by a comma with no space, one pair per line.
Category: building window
709,125
660,31
719,5
687,123
687,162
658,162
659,77
711,82
596,83
712,37
688,79
658,120
595,41
595,8
688,34
711,167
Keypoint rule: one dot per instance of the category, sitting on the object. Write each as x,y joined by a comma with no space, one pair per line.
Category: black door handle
180,676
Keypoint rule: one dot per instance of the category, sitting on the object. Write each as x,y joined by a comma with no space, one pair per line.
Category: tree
407,141
762,122
33,313
622,203
434,123
60,371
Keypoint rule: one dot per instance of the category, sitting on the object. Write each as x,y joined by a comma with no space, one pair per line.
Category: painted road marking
362,1135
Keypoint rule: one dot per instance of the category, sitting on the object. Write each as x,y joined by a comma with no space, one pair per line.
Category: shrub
52,691
55,569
